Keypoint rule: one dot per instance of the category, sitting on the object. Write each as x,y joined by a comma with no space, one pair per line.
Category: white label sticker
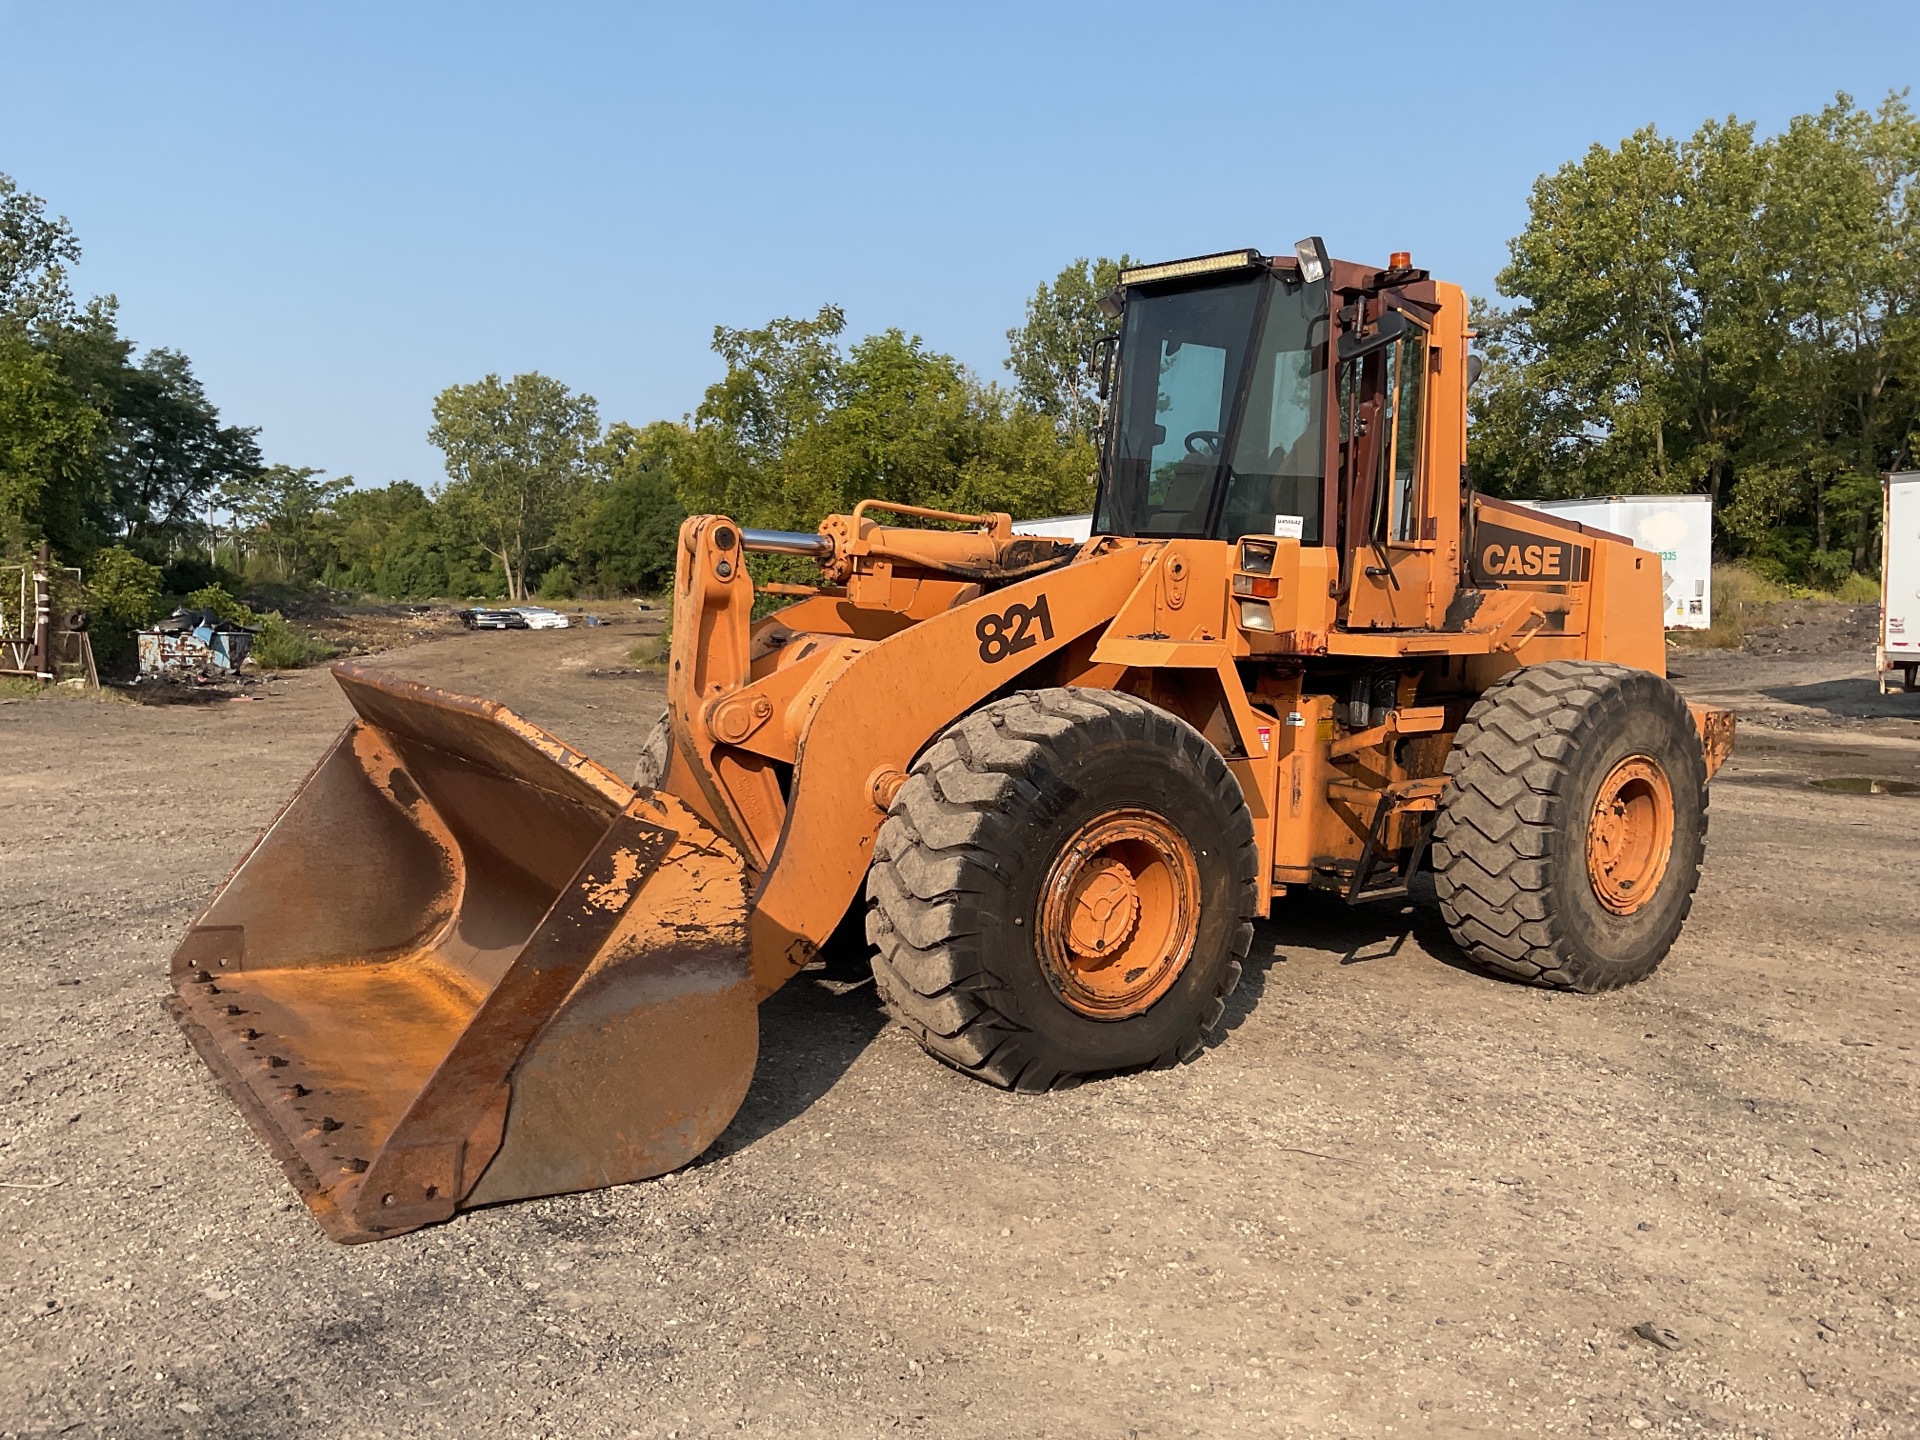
1289,527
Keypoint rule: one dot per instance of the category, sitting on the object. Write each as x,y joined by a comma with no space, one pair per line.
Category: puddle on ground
1867,785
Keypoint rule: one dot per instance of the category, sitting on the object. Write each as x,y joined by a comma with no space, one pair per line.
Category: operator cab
1218,427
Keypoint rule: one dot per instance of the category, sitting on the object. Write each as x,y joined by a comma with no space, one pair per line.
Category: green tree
1640,295
781,382
49,435
903,429
96,446
801,426
1022,464
284,513
34,255
391,541
626,530
165,455
1723,315
1842,223
123,593
1050,349
913,425
49,449
122,585
517,457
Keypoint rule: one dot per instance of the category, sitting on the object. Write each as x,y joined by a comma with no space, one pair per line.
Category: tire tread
1493,839
943,861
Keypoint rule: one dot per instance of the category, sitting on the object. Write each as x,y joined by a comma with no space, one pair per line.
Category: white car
540,618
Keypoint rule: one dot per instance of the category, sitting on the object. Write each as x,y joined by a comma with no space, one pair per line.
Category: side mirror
1474,366
1392,326
1100,363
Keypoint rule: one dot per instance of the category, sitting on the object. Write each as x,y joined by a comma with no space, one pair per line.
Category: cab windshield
1219,422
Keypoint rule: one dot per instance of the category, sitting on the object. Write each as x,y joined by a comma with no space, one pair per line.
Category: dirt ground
1397,1198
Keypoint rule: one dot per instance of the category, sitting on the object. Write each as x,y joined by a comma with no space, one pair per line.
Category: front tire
1063,887
1569,841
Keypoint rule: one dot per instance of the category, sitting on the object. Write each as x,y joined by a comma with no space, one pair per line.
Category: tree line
1729,313
802,423
1725,314
120,460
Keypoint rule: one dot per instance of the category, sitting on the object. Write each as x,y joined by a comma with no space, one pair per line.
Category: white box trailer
1078,528
1677,528
1899,647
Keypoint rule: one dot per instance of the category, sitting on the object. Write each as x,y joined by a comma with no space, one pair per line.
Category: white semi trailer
1058,527
1898,653
1677,528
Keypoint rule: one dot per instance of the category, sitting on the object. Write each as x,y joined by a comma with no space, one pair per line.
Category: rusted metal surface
37,642
1716,727
193,643
1120,911
466,964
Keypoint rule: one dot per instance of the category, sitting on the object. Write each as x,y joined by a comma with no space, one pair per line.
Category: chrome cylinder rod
787,542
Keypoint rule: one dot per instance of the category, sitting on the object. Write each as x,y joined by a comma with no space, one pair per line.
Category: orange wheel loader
466,964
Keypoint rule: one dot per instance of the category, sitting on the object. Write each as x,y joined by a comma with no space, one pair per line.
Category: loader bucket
465,965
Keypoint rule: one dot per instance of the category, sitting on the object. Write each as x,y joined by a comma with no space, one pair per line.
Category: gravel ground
1397,1197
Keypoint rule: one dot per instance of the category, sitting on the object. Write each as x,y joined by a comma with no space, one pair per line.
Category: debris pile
194,644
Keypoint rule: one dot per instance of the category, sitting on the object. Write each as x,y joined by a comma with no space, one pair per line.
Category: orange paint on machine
1053,782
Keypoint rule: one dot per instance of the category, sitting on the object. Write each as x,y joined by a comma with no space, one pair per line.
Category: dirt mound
368,629
1814,627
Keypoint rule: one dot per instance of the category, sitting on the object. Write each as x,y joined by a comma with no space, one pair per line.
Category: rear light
1267,587
1256,615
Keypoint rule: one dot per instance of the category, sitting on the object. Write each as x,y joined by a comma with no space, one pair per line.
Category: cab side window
1406,393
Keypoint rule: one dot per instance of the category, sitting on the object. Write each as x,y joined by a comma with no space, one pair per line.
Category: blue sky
338,210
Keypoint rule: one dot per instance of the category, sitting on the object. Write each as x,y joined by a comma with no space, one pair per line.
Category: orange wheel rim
1630,834
1119,914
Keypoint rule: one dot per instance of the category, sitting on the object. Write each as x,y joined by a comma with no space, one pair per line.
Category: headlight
1255,558
1256,615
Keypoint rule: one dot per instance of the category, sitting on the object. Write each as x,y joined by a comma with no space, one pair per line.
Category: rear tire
1569,841
1064,887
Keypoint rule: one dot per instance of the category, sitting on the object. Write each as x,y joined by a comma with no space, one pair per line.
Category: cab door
1389,526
